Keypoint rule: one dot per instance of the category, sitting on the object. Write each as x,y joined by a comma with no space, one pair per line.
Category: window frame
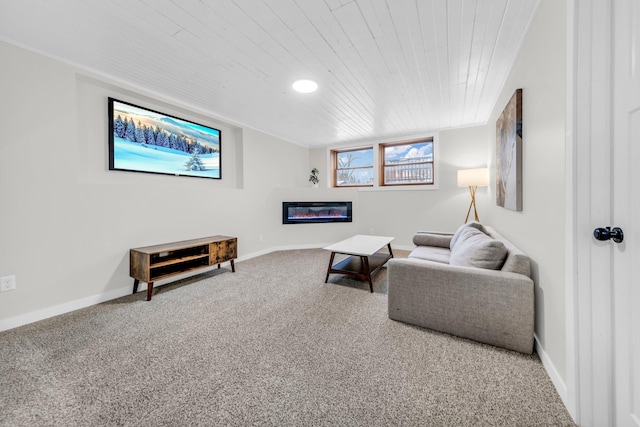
334,166
382,161
433,137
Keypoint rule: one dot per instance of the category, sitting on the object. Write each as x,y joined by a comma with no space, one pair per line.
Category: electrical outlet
7,283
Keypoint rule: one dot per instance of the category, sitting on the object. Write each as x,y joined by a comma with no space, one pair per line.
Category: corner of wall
239,163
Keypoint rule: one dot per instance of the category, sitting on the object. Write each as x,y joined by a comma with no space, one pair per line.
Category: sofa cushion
463,227
431,253
473,248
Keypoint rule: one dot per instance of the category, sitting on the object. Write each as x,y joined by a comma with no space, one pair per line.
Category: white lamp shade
473,177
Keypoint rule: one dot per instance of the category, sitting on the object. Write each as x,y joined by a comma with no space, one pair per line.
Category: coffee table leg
333,254
390,251
367,271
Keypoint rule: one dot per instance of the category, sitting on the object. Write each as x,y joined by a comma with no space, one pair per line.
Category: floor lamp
473,178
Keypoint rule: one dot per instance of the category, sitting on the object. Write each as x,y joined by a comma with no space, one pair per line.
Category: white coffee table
364,259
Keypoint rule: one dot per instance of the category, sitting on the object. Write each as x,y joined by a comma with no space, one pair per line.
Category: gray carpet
268,345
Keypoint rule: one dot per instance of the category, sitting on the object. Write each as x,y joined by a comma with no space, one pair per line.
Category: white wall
539,230
67,222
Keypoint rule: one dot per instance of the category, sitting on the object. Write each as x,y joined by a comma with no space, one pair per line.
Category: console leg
233,267
136,282
149,290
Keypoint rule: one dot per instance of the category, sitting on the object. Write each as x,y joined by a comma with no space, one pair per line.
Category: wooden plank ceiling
385,68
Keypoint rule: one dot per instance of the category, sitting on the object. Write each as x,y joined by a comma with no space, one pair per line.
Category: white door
603,367
626,211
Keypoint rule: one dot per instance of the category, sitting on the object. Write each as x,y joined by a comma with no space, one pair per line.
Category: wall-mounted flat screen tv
143,140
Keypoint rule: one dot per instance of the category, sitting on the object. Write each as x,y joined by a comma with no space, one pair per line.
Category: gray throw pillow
476,249
456,235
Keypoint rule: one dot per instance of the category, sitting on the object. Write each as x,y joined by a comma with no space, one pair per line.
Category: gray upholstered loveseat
472,283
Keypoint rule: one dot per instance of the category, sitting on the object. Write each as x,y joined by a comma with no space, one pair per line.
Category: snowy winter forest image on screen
147,141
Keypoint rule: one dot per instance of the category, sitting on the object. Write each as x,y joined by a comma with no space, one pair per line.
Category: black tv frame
186,133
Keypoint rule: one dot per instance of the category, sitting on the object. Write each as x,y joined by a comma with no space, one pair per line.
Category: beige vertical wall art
509,154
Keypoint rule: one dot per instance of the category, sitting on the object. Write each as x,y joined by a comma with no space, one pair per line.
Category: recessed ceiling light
305,86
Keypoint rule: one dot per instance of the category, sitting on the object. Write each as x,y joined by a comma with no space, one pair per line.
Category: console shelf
152,263
180,260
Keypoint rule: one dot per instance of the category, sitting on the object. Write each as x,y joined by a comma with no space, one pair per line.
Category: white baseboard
555,377
35,316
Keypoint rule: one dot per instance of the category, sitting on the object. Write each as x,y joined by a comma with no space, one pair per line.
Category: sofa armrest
489,306
432,238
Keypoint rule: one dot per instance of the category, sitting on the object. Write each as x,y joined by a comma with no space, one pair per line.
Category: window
407,163
352,168
385,165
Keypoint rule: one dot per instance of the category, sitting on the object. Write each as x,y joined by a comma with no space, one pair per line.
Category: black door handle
604,234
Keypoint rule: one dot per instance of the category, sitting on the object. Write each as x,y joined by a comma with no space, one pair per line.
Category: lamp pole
472,191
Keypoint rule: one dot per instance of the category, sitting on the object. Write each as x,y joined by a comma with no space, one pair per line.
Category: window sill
400,188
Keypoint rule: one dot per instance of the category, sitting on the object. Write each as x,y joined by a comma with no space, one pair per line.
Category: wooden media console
152,263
